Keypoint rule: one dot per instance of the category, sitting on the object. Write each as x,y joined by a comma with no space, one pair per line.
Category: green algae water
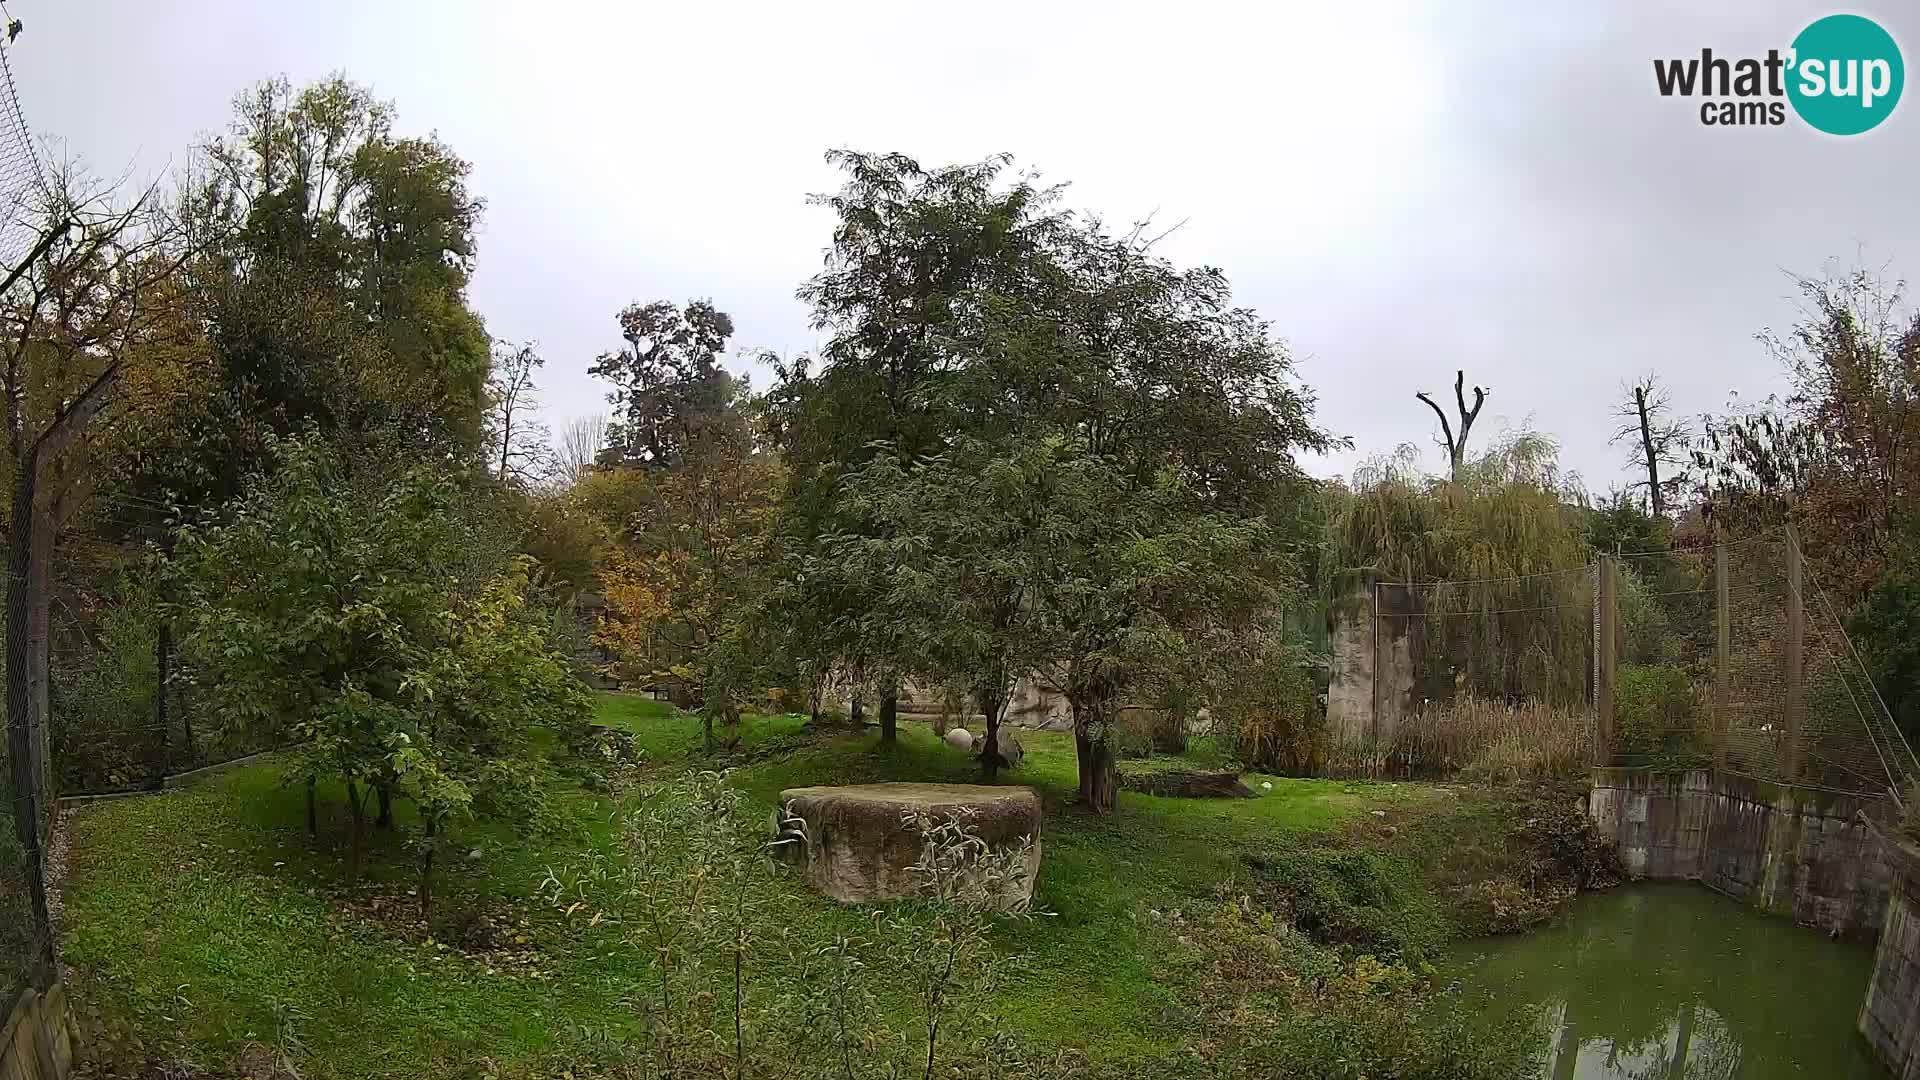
1673,982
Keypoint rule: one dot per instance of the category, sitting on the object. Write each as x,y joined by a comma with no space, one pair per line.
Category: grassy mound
204,924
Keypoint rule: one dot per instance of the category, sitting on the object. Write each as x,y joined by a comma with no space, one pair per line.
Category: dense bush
1657,717
1324,1011
1271,713
103,692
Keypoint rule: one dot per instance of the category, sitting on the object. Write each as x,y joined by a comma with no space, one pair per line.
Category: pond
1673,981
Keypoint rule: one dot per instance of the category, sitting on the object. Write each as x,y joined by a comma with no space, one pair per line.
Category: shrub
1350,1016
726,990
1484,739
1657,717
1272,713
103,701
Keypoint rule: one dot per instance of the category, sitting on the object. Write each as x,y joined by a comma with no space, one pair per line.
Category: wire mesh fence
20,175
1487,676
25,761
125,716
1725,655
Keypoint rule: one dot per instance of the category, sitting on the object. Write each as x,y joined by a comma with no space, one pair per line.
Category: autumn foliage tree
682,585
692,503
1837,456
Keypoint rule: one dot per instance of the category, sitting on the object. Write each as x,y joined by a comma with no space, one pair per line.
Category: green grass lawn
203,920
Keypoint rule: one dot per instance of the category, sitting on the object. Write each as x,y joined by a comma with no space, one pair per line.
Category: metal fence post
1796,663
1723,653
1373,669
1606,657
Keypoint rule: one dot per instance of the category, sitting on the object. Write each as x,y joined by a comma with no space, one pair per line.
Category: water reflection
1670,982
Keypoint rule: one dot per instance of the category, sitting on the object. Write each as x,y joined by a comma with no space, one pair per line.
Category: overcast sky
1401,190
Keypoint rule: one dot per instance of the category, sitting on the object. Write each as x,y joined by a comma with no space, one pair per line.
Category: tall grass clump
1477,738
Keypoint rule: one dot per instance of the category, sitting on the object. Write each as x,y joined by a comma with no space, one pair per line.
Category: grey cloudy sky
1402,190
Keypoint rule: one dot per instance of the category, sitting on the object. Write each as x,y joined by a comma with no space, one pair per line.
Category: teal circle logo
1845,75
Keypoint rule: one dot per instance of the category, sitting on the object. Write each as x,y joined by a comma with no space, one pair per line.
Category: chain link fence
25,762
125,715
1727,655
1489,676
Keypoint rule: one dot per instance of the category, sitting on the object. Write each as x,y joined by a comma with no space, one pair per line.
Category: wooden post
1796,664
1606,657
1723,652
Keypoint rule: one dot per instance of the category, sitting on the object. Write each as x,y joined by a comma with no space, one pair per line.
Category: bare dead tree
1457,447
580,444
517,440
1657,441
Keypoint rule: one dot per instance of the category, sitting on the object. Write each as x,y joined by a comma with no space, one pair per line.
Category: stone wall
35,1044
1890,1015
1799,852
1371,686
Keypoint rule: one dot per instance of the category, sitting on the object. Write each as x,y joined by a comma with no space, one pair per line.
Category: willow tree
1499,556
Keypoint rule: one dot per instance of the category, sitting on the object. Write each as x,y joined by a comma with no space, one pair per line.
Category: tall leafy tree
937,571
1836,457
1185,415
672,398
684,583
968,313
915,254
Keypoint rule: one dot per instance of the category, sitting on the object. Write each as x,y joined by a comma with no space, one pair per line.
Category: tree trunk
992,705
1654,497
385,820
186,736
706,729
890,714
426,869
313,816
1093,748
856,712
356,846
1103,777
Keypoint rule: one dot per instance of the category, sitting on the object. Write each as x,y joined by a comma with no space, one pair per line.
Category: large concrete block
861,847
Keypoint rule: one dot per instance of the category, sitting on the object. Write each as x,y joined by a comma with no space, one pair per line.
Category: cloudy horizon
1402,192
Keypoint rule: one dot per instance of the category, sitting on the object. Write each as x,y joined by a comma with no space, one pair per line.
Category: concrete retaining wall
1793,851
35,1044
1890,1015
1371,687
